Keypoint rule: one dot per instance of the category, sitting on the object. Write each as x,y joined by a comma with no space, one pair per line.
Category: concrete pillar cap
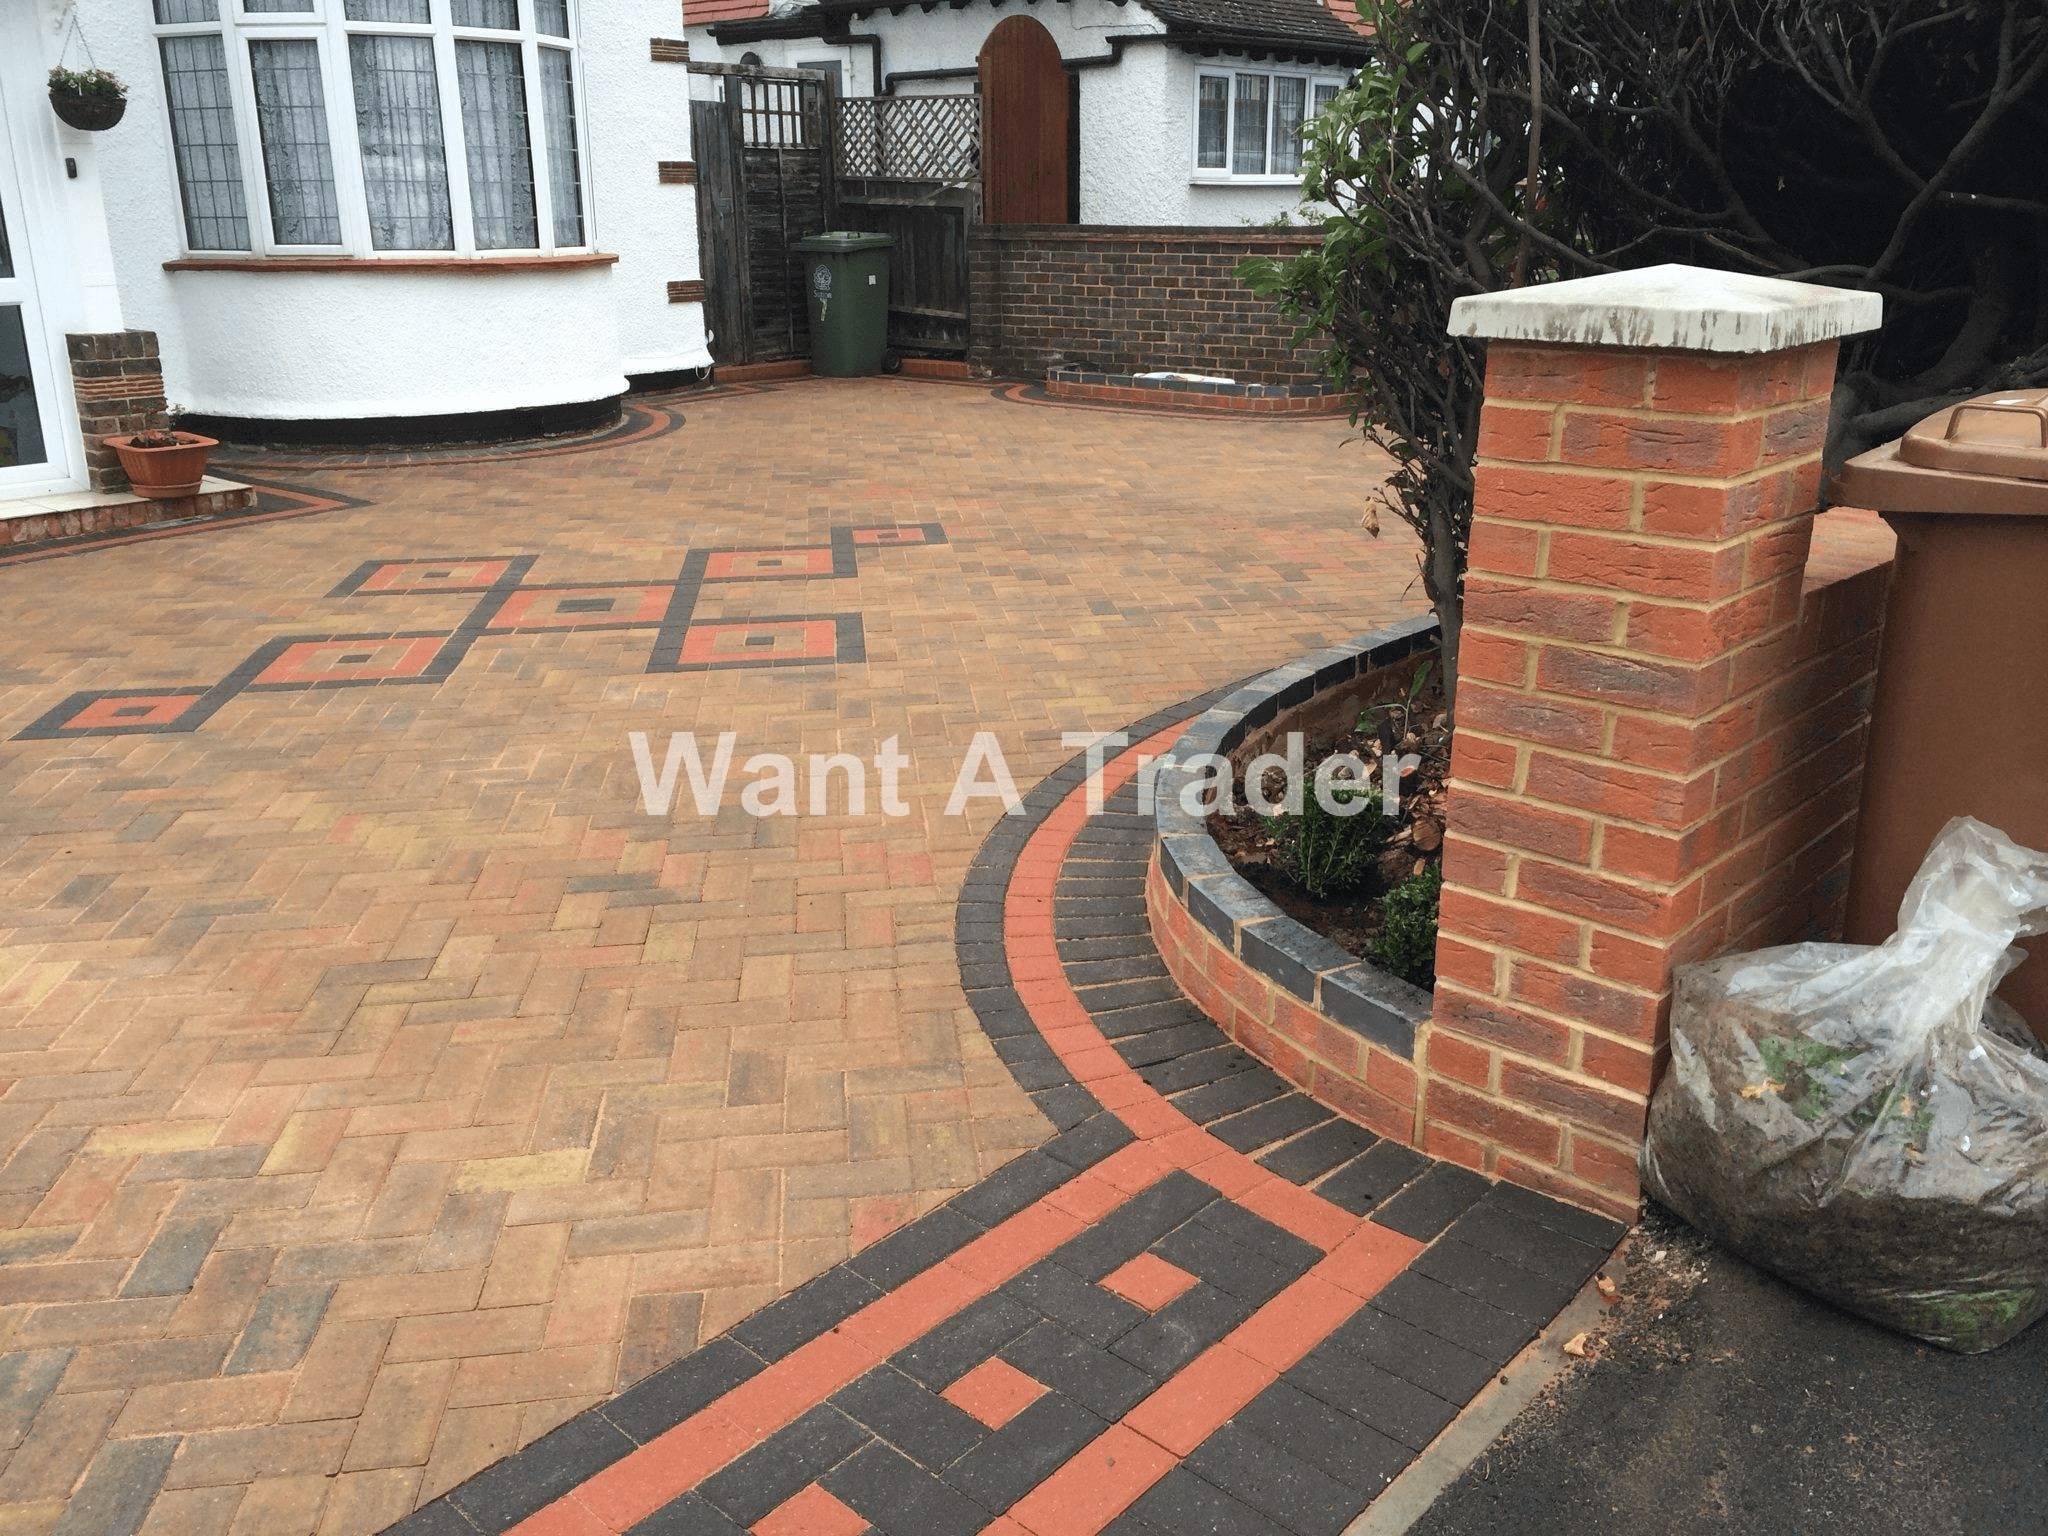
1670,308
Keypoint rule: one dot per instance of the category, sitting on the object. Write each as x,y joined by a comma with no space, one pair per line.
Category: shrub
1407,944
1326,854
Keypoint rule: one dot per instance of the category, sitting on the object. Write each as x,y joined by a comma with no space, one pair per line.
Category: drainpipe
874,44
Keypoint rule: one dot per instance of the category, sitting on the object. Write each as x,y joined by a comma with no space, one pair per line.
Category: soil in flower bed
1400,716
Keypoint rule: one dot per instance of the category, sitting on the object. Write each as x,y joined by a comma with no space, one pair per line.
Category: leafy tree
1882,144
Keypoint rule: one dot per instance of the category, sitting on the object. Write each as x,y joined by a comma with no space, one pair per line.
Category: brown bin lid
1987,455
1990,435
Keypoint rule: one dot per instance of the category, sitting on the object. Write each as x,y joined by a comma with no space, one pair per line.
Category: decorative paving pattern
506,604
1207,1305
273,503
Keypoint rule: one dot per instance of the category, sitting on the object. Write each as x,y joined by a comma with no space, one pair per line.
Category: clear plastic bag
1870,1123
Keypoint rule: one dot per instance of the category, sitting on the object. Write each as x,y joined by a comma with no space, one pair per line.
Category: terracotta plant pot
91,113
164,474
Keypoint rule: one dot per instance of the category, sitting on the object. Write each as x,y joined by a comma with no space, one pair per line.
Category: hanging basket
94,113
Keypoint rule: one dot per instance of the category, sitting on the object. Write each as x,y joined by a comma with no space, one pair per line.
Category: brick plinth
119,382
1660,736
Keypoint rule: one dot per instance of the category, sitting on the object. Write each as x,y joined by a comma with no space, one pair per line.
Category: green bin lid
836,240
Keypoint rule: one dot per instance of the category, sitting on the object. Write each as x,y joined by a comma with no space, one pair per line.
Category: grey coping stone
1290,954
1369,1002
1222,902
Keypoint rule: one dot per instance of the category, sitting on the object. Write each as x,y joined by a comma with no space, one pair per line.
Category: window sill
466,264
1293,179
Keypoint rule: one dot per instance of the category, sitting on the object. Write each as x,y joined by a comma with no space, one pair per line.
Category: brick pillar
119,382
1649,461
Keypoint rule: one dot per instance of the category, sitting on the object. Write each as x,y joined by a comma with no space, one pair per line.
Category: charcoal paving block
1354,1453
1435,1199
1527,1245
1379,1399
1086,1310
1024,1452
1135,1225
1171,1337
1434,1364
690,1515
1201,1249
784,1464
1311,1155
1261,1236
917,1421
1167,1044
1471,1324
784,1326
1127,994
1288,1491
1367,1180
659,1402
964,1340
441,1518
912,1250
1270,1122
1012,1187
1210,1066
506,1492
1587,1227
1065,1106
1228,1095
899,1498
1147,1018
1090,1142
1099,1381
1188,1505
1494,1281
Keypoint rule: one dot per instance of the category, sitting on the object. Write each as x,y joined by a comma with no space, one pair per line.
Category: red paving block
912,1310
1204,1397
1308,1216
797,1383
1100,1483
631,1489
1367,1260
813,1512
1294,1322
994,1392
1148,1281
565,1518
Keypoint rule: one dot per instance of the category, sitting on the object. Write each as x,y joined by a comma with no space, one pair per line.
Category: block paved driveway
384,1087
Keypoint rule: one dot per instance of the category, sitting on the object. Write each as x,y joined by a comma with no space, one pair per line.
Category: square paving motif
311,663
995,1392
533,608
117,713
1148,1280
768,642
768,564
475,574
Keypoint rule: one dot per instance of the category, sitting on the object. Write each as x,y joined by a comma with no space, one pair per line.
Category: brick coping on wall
1070,383
1338,1027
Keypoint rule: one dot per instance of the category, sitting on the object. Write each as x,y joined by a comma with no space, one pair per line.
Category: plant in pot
163,465
87,99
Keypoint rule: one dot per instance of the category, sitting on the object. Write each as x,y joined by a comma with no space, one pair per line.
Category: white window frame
327,24
1224,176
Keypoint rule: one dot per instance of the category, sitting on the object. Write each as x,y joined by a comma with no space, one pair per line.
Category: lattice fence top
910,138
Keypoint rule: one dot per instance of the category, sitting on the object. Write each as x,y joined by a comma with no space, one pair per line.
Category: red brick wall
1315,1053
1129,300
1660,741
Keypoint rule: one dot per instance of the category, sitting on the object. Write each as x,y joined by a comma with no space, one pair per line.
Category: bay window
1249,123
375,127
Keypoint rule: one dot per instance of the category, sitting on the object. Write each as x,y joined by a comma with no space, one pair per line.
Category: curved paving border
1206,1304
1332,1024
272,503
640,418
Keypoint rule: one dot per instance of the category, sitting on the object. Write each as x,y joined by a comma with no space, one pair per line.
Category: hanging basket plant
87,99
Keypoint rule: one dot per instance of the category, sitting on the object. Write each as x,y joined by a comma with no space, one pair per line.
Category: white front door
34,453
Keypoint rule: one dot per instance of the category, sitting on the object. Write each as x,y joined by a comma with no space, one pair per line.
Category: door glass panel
21,425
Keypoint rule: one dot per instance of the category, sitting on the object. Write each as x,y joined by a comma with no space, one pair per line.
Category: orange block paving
994,1392
375,1042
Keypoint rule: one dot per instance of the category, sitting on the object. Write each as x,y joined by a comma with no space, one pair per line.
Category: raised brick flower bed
1337,1027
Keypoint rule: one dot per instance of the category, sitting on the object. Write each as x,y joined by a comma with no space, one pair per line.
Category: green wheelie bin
846,284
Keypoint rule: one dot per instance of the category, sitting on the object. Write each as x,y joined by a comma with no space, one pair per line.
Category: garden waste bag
1870,1123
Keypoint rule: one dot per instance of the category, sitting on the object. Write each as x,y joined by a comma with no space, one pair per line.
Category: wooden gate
910,167
1027,106
764,180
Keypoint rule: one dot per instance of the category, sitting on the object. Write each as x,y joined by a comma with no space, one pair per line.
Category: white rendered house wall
298,345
